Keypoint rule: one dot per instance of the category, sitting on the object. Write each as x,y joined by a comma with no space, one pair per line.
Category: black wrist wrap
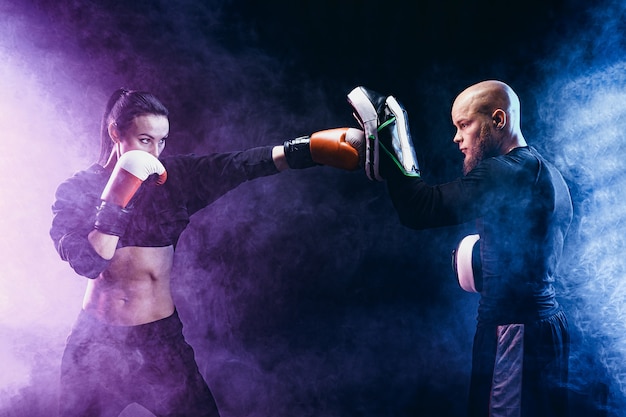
298,153
112,219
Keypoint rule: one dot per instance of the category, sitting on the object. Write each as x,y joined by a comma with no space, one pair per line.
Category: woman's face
147,133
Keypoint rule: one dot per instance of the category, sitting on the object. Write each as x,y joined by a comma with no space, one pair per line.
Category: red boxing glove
132,169
339,148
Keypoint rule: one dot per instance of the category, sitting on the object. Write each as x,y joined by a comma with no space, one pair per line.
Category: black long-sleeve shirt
522,208
159,213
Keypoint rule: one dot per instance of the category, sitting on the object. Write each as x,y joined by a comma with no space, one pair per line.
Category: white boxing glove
130,171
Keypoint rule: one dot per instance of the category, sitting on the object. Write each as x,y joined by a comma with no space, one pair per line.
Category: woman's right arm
72,230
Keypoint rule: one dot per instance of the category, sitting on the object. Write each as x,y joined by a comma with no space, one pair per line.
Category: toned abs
135,288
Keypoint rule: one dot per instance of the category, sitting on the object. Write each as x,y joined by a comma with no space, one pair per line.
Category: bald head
487,118
488,96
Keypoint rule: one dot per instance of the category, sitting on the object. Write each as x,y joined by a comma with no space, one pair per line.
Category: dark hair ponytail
122,108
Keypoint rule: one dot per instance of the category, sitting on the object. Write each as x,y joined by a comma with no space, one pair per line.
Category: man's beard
485,147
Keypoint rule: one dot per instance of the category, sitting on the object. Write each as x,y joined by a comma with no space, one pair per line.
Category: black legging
106,368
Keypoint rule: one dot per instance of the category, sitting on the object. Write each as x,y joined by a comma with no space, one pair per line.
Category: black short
521,370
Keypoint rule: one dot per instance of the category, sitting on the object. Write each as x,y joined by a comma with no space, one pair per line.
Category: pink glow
39,295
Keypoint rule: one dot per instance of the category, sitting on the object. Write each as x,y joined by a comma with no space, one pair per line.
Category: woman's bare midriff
135,288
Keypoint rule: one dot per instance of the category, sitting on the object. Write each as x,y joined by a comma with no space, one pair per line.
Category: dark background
301,293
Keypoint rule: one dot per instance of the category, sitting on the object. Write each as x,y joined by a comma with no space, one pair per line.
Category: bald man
522,210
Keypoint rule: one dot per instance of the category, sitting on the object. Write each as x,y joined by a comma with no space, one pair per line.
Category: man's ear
114,132
499,119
